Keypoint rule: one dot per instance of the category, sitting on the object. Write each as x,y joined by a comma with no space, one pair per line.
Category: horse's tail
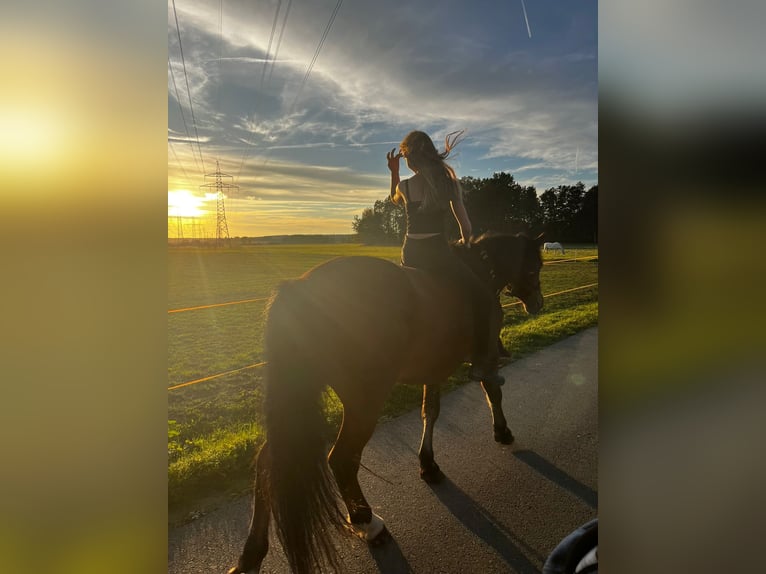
303,493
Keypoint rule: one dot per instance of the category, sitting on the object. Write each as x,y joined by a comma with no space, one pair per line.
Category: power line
271,39
178,161
316,53
220,54
181,108
271,71
188,89
281,35
311,65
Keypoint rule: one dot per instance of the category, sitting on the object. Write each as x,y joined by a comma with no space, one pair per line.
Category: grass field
213,428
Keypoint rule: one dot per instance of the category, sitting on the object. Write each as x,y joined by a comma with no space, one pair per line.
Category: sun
182,203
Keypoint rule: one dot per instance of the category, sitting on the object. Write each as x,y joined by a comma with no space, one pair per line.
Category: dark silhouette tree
499,203
586,220
383,223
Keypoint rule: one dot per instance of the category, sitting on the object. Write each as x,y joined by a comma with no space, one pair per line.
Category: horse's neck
479,261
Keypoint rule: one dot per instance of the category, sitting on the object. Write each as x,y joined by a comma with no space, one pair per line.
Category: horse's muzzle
533,305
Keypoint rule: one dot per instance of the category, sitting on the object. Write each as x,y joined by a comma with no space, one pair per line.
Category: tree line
567,213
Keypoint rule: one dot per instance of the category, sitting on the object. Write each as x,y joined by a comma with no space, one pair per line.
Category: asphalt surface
501,509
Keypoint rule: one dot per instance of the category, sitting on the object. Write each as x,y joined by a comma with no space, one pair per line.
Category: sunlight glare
182,203
28,137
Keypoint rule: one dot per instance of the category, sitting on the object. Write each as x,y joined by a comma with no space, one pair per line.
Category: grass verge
220,466
213,430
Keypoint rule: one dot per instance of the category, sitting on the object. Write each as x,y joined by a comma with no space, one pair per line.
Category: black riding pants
435,255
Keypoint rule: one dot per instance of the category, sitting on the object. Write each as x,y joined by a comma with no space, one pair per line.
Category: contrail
523,7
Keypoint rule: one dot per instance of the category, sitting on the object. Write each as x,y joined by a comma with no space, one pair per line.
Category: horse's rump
353,315
343,324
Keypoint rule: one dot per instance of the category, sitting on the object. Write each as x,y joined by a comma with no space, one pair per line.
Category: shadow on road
483,525
389,558
555,474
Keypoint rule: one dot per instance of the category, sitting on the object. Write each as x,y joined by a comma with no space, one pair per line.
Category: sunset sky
299,101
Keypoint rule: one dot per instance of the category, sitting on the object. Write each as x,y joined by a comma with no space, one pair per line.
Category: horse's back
361,286
352,315
365,318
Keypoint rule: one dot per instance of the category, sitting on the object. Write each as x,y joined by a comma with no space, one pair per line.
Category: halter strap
485,256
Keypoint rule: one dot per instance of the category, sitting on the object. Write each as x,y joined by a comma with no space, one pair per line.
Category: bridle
490,270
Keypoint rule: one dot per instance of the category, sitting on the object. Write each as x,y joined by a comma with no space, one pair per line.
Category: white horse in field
548,246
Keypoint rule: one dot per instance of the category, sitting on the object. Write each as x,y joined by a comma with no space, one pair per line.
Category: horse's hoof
238,570
368,531
504,436
432,475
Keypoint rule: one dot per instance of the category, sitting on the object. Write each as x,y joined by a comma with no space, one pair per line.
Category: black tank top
420,220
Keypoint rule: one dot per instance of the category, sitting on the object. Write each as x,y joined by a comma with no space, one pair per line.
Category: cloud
521,102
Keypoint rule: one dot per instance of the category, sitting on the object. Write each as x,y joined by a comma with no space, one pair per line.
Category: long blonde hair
422,155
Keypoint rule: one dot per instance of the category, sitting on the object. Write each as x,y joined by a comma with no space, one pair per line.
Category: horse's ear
540,239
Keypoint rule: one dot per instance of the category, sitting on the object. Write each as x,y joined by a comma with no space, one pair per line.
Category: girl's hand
393,160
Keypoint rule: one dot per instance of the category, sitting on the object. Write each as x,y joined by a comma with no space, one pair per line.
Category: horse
359,325
553,245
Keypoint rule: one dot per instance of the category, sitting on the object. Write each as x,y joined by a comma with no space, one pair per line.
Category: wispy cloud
523,104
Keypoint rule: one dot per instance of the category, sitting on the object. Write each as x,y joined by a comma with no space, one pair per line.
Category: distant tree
393,220
552,214
586,220
500,204
470,184
530,211
368,226
382,224
571,200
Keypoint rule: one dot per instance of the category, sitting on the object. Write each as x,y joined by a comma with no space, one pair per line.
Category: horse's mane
489,237
496,235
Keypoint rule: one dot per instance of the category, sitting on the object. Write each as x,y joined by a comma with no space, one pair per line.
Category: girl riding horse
427,196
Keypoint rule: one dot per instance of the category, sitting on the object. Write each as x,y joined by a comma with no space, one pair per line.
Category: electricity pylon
221,228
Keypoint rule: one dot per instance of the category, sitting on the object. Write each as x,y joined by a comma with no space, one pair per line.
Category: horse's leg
344,459
257,543
502,351
500,426
429,470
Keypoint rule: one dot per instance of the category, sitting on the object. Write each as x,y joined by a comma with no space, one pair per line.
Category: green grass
213,429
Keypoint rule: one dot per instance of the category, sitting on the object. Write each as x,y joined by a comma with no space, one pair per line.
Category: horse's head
513,264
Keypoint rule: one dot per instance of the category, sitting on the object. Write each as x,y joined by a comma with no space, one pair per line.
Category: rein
485,257
490,268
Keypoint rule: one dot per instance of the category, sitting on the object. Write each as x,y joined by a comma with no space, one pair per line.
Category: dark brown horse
360,325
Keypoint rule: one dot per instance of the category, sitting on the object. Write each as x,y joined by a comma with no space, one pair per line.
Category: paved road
501,509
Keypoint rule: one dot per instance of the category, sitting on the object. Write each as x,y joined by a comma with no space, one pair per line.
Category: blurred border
681,362
84,293
83,110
